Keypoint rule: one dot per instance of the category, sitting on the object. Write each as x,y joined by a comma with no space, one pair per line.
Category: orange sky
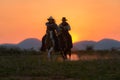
89,19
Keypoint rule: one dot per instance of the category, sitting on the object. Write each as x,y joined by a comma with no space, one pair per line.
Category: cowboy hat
50,18
64,18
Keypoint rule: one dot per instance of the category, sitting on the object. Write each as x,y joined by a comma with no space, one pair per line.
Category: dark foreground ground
37,67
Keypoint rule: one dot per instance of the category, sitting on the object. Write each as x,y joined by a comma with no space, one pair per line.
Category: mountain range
30,43
33,43
104,44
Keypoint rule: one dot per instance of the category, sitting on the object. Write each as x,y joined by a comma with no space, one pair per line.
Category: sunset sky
89,19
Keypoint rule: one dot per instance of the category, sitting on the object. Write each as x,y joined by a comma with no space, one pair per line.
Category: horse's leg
49,53
63,55
51,37
70,54
67,52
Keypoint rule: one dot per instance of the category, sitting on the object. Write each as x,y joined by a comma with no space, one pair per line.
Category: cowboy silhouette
53,28
66,28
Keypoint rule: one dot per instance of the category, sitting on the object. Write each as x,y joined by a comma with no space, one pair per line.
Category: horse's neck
50,33
50,38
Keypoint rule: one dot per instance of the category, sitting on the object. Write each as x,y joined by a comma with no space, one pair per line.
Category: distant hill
9,45
107,44
33,43
30,43
104,44
83,44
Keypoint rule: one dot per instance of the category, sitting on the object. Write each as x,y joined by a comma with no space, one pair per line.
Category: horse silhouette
51,39
64,44
50,42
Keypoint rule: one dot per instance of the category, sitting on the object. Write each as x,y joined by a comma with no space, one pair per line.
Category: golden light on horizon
75,37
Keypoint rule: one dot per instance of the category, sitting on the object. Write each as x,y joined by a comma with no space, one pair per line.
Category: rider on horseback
53,29
65,27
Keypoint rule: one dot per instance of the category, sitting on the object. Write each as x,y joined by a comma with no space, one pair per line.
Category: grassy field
36,67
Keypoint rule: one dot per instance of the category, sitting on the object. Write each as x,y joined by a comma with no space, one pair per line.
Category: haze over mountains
33,43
